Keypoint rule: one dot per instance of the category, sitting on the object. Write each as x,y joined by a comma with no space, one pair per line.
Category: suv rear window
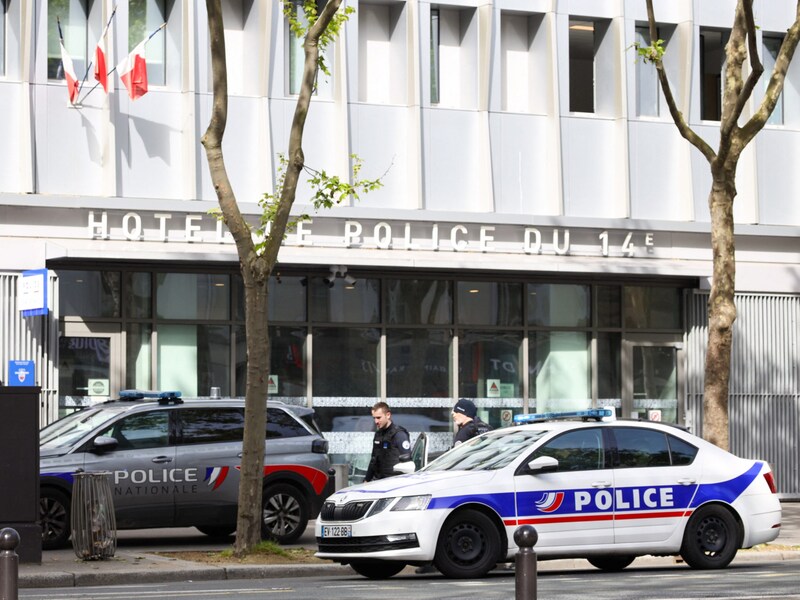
280,424
211,425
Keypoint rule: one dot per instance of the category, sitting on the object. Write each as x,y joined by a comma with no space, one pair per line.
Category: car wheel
54,516
216,531
378,569
711,539
611,563
285,513
468,546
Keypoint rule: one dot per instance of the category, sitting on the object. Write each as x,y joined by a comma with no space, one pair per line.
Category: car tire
284,515
610,562
54,514
378,569
216,531
711,539
468,546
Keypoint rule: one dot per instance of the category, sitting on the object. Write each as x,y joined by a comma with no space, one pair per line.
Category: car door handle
162,459
687,481
601,484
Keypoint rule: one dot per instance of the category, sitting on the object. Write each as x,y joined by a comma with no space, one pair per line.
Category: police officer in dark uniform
390,445
468,425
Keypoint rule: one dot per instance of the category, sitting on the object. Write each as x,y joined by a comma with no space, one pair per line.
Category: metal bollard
525,570
9,564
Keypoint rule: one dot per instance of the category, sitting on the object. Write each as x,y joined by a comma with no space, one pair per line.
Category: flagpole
89,68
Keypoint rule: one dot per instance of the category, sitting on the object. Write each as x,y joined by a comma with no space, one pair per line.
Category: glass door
89,364
652,368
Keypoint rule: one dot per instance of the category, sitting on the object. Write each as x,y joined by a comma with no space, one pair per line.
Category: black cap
466,407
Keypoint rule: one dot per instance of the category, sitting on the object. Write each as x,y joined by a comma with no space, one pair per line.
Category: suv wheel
285,513
54,515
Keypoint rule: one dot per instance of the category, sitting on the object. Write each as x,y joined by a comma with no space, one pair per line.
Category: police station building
540,242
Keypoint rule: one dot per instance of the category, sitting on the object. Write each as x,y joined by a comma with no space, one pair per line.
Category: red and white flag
133,72
100,64
69,74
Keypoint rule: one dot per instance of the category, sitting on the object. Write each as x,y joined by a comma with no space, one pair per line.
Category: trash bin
94,526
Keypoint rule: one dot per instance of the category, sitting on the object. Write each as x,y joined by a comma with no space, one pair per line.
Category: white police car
594,488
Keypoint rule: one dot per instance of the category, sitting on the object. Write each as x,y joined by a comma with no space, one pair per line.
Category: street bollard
9,564
525,569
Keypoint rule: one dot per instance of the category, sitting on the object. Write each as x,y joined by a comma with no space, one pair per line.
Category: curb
189,571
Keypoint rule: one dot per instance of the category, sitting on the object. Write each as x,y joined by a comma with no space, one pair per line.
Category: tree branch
677,116
776,81
295,154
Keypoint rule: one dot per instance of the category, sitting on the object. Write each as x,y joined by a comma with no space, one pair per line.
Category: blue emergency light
596,414
148,394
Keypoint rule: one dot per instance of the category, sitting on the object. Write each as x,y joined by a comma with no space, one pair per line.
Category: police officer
468,425
390,445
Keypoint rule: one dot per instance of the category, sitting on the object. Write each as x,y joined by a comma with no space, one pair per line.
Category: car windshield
487,452
65,432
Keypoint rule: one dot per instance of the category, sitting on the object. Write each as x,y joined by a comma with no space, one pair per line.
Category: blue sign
32,295
21,372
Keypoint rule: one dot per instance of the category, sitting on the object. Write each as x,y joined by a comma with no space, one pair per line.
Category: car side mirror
104,443
405,468
543,464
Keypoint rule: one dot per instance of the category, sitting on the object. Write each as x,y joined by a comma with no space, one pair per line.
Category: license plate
337,531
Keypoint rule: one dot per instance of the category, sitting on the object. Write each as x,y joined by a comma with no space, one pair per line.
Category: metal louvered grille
764,392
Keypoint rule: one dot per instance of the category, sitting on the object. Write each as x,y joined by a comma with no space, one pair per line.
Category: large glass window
489,303
287,361
488,364
193,296
138,357
72,16
652,307
296,53
647,86
581,66
346,361
138,295
609,378
90,293
772,45
608,305
435,56
558,305
3,9
560,370
712,60
419,302
194,358
144,18
418,363
336,299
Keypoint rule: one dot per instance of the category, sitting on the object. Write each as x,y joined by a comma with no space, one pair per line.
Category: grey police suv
175,463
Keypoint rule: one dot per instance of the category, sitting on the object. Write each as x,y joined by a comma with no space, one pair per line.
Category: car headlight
380,505
412,503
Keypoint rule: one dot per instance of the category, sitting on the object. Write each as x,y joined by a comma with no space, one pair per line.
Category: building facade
540,242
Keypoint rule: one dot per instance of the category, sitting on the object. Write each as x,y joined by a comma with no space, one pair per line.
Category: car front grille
373,543
352,511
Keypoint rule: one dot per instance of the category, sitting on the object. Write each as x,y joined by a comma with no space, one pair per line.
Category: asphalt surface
136,559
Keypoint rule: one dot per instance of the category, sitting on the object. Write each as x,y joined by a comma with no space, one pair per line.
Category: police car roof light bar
162,397
596,414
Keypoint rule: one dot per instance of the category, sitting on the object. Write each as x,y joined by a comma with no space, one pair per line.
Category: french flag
133,72
100,64
69,74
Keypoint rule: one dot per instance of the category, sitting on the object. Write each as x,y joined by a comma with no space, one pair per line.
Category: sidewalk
136,559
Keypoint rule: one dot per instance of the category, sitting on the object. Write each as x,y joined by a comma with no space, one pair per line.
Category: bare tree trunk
256,266
721,310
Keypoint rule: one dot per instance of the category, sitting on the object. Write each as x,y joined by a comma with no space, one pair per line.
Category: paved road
744,581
